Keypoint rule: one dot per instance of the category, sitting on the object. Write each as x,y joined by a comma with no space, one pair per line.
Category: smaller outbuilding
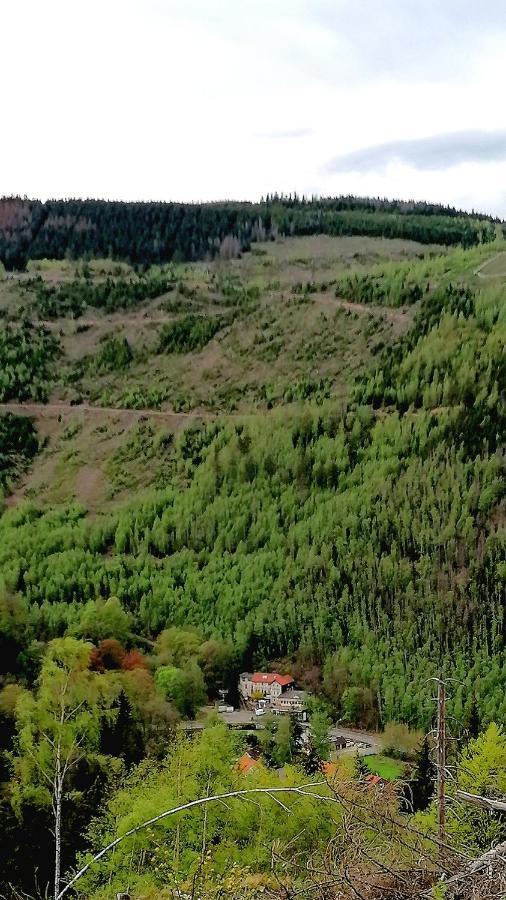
291,701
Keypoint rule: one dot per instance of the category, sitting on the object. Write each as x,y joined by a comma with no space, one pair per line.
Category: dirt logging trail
132,319
41,410
61,410
391,313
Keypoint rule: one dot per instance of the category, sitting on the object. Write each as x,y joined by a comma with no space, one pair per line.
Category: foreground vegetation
83,779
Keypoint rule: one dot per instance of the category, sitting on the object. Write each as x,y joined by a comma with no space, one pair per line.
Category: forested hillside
369,533
291,460
145,233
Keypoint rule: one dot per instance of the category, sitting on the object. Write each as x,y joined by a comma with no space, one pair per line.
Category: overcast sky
213,99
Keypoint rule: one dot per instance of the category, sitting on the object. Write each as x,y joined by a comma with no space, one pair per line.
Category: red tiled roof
270,678
283,680
246,763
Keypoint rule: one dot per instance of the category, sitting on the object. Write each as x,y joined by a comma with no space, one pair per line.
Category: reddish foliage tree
108,655
134,659
112,653
96,663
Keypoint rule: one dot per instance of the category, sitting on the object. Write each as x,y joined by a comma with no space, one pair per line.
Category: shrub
189,333
114,354
400,741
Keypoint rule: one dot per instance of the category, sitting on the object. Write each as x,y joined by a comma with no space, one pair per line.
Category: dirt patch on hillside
77,443
90,486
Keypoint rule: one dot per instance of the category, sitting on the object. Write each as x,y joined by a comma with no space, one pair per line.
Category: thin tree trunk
178,797
58,797
441,760
57,832
204,828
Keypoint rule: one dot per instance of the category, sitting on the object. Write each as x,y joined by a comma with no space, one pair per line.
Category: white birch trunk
57,835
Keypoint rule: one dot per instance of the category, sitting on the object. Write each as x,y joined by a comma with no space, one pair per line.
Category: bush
18,445
183,687
71,298
189,333
114,354
400,741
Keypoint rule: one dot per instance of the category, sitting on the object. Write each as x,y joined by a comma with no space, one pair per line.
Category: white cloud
207,99
436,152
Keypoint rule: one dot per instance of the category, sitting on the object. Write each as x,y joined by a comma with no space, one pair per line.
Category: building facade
290,702
265,684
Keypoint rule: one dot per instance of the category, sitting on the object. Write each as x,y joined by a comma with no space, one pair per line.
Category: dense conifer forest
144,233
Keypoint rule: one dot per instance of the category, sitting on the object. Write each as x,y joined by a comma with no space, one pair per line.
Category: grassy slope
286,339
281,336
386,767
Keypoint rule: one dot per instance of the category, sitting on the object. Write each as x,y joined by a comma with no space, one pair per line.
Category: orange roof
284,679
329,769
270,678
246,763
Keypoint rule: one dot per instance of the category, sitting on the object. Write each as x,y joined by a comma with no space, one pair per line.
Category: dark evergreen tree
423,781
361,769
121,737
309,759
473,719
296,738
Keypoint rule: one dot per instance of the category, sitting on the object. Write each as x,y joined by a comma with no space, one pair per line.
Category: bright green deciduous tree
58,727
481,770
203,847
102,619
483,763
183,687
320,725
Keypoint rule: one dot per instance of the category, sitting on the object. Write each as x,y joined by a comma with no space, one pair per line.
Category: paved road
370,742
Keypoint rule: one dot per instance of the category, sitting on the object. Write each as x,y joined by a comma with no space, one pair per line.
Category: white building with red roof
266,684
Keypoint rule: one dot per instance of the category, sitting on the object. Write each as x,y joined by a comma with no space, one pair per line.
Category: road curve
370,742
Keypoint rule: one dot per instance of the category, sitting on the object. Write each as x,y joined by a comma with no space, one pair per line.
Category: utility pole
441,759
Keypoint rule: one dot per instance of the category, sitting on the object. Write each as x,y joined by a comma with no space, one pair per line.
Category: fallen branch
484,802
497,854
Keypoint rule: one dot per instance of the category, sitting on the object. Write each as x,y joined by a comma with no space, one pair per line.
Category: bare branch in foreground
301,791
484,802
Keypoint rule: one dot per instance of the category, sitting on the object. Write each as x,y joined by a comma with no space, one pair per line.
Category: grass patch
385,767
